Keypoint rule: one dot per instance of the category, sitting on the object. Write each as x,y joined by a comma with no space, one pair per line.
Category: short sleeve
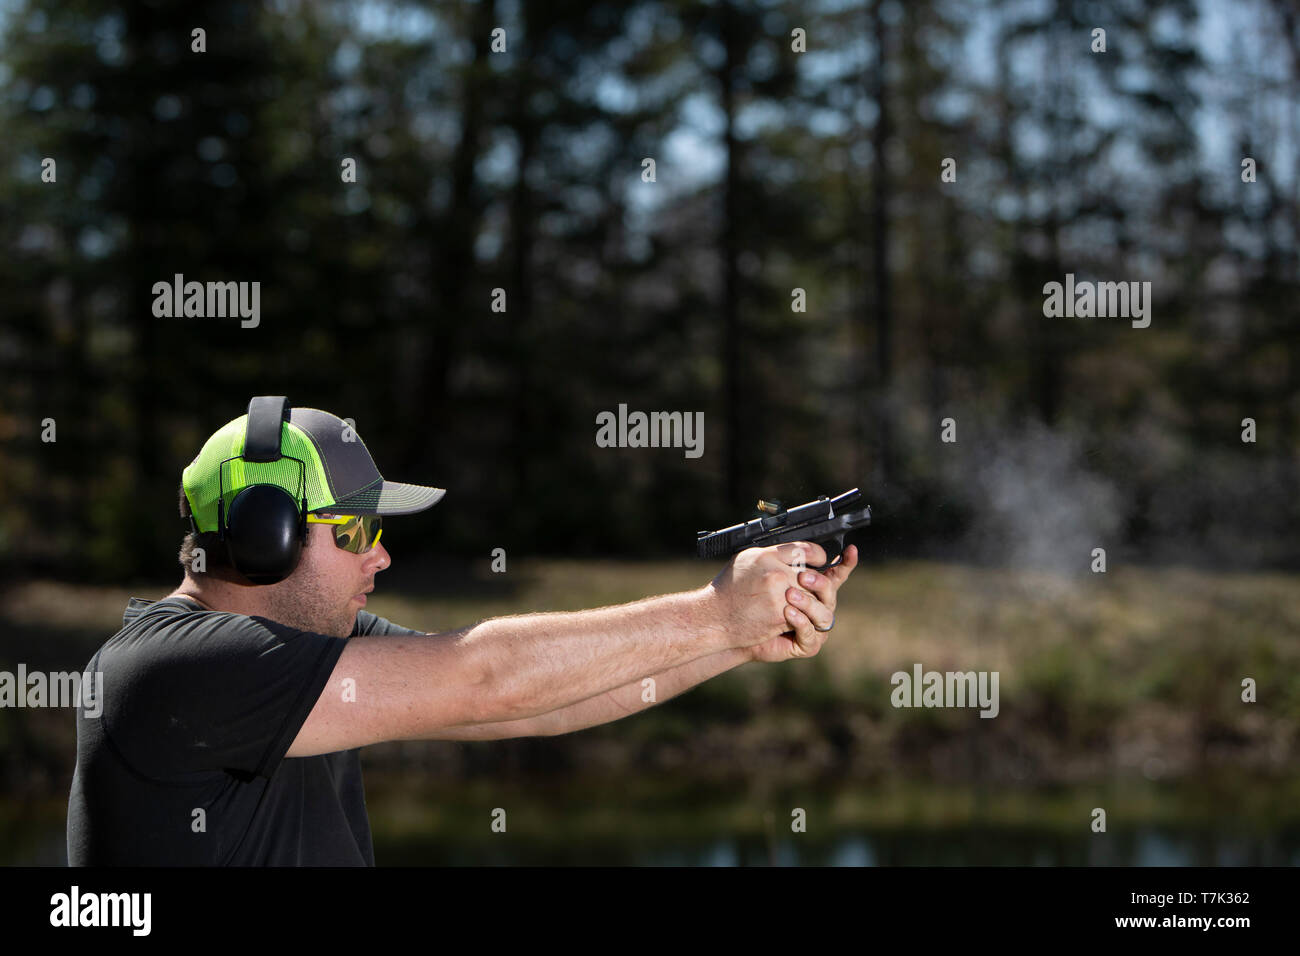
213,691
369,625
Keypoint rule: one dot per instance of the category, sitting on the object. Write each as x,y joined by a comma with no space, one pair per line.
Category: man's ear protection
265,527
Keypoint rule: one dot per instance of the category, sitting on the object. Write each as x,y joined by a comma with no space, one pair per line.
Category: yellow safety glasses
355,533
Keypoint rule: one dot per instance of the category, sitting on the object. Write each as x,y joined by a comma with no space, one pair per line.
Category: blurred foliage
520,170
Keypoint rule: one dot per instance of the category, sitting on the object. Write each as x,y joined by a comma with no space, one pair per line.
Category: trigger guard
839,558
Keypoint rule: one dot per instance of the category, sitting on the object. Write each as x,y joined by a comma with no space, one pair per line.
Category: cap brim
389,498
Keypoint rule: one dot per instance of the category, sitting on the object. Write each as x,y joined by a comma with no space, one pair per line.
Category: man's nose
379,556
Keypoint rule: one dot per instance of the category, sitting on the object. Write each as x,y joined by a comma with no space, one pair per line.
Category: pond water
1235,822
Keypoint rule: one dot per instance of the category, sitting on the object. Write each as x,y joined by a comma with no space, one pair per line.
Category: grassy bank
1132,673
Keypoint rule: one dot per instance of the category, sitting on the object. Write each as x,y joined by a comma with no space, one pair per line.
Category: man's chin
345,625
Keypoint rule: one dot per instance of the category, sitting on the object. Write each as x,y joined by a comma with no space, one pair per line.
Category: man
232,710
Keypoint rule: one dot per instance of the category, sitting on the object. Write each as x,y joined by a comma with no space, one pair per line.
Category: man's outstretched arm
513,668
610,705
636,696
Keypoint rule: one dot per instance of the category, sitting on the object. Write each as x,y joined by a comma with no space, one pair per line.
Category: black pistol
822,521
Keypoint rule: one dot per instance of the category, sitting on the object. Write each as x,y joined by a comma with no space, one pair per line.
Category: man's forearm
611,705
538,663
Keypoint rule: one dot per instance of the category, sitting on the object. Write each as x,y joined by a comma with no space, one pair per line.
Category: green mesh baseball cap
341,475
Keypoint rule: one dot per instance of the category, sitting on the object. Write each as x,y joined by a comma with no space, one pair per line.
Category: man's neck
214,597
217,595
190,596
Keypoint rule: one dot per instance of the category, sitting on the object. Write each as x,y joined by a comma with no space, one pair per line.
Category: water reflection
1253,823
1142,847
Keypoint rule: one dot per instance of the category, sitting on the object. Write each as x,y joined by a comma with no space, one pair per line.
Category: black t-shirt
185,763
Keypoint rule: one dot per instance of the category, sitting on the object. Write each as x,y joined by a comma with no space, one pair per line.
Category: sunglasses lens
347,535
359,534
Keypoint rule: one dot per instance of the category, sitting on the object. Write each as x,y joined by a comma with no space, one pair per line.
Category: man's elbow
495,695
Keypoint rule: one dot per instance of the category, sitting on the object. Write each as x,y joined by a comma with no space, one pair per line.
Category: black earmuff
265,527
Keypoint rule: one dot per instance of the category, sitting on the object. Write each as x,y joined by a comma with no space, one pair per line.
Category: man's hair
214,549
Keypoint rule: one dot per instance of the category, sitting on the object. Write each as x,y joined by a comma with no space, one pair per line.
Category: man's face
325,591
